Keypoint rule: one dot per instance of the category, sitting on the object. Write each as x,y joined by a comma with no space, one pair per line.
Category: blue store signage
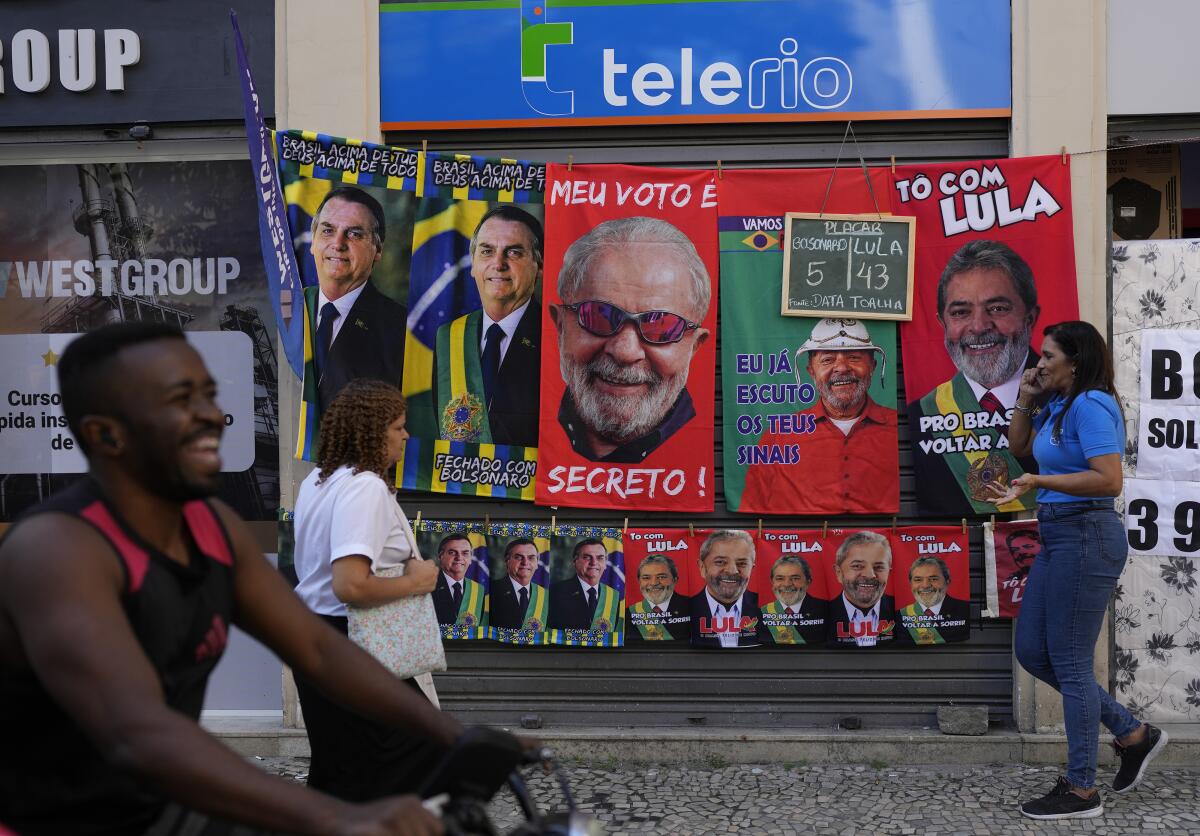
505,63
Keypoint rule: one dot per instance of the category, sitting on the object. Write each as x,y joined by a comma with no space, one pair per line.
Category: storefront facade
637,687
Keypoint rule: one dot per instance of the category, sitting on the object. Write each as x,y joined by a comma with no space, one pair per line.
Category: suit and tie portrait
517,602
458,599
794,617
662,615
725,612
357,330
583,601
487,363
933,617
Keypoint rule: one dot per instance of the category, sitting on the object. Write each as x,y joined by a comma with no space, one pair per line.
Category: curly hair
354,427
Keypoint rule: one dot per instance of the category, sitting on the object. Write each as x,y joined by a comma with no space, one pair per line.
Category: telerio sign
79,62
505,63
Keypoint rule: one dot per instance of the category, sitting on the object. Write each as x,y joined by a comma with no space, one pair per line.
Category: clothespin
893,163
1064,155
424,146
893,526
964,525
487,522
993,520
554,523
691,530
625,529
760,526
720,172
825,530
570,161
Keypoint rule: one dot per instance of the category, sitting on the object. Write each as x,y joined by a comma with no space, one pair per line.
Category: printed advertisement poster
663,564
932,586
1169,436
394,291
791,574
1009,549
90,244
860,567
628,366
724,609
587,587
995,264
461,596
809,405
520,602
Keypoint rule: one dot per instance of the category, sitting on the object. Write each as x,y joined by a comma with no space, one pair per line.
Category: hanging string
829,186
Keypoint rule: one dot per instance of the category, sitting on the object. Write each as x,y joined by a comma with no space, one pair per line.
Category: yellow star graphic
50,358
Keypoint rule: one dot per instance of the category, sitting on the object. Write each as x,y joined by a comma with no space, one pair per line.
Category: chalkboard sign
859,266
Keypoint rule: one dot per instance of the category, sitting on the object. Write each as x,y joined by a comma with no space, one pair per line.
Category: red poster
995,264
790,573
725,606
1015,545
932,584
629,339
662,577
859,568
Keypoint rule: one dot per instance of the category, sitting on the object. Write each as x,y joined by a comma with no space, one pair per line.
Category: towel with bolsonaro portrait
526,584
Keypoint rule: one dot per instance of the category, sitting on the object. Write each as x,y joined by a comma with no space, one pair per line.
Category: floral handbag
403,634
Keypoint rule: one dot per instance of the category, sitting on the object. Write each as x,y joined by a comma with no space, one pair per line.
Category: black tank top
52,779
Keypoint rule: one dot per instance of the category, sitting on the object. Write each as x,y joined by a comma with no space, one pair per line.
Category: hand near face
1032,384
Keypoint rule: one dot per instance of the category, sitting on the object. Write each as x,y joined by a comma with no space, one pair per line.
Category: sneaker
1136,757
1061,803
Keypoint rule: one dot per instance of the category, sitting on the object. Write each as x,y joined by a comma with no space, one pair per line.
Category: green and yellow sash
473,609
539,609
972,468
652,632
782,633
463,415
920,635
608,609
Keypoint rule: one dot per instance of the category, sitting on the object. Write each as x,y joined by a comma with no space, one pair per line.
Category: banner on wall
809,408
932,587
1009,549
520,586
725,608
791,577
860,567
663,565
472,411
587,587
461,597
628,365
98,243
995,264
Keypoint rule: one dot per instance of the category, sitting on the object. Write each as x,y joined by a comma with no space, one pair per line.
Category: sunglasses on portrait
656,327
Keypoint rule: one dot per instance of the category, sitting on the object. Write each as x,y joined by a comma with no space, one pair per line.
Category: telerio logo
824,83
536,37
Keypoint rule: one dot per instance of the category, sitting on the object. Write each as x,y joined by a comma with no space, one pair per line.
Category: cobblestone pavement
781,799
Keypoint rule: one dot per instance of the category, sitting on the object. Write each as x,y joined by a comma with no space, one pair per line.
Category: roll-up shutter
491,683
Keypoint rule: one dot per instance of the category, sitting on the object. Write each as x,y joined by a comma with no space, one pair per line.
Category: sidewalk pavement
713,798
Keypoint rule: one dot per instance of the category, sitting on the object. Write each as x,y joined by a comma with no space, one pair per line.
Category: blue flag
283,279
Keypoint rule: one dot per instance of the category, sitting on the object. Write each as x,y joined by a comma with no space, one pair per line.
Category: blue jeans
1067,594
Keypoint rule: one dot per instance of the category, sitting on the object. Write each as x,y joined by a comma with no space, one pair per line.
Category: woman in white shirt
348,526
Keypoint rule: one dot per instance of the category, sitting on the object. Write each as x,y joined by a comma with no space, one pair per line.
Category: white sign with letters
1163,518
33,430
1169,425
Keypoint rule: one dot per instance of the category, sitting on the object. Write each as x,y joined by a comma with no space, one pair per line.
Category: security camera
140,131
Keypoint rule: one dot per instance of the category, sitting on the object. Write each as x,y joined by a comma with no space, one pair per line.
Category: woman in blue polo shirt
1077,438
